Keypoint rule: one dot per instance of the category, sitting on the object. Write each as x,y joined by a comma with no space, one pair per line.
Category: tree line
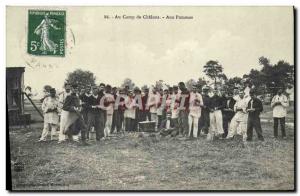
268,79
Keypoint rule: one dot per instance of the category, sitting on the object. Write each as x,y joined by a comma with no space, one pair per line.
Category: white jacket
195,102
279,111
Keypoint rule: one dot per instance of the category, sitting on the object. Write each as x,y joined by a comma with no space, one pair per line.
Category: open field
137,162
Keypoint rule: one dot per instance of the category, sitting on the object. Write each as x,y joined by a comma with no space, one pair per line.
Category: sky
149,50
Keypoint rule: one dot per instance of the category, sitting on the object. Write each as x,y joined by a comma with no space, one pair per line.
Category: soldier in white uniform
196,103
238,124
279,104
51,118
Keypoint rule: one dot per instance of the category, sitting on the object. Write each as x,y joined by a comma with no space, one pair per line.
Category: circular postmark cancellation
46,32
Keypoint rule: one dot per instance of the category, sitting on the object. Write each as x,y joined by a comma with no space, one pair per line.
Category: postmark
46,32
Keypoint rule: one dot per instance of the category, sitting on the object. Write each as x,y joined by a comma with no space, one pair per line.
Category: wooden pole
40,113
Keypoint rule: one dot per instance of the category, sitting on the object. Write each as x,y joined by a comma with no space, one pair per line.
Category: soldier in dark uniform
204,119
254,109
228,112
72,104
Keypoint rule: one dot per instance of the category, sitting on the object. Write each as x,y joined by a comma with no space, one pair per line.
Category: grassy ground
138,162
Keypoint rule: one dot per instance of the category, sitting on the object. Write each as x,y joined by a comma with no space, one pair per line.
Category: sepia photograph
150,98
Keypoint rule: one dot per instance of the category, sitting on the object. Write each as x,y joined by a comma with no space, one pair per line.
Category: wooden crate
147,126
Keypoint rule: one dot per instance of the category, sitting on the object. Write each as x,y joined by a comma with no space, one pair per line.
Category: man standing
130,112
51,118
204,118
74,118
113,125
119,110
109,107
228,112
174,107
64,94
84,96
279,104
92,112
101,112
238,123
183,123
146,116
254,109
195,111
216,121
152,104
138,110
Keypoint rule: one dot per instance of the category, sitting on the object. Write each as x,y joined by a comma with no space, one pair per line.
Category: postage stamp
46,32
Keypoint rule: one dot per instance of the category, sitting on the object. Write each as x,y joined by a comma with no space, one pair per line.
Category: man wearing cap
216,120
195,102
204,118
254,108
51,118
279,105
238,125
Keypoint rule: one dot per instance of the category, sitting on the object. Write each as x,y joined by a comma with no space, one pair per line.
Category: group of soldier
176,110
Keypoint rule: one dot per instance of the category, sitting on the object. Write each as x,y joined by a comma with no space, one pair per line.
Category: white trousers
108,124
216,124
47,127
193,122
238,127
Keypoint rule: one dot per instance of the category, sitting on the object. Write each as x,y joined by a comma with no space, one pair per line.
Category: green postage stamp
46,32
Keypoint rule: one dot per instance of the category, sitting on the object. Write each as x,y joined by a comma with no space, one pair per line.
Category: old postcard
150,98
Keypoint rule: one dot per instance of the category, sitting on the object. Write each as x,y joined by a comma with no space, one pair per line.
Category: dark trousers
174,123
92,118
85,116
183,123
227,116
138,118
118,118
254,122
282,125
100,121
78,126
129,124
203,123
145,115
162,120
